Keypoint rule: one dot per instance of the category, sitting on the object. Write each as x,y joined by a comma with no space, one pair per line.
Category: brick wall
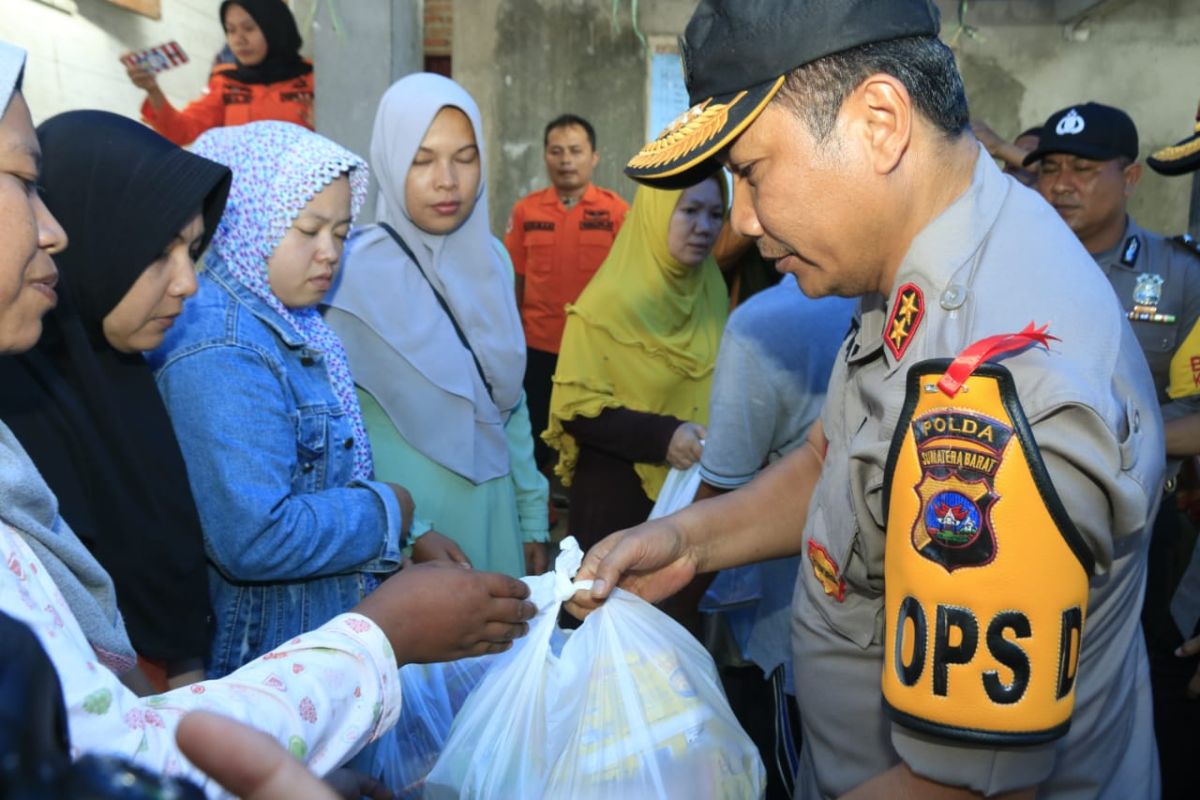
439,27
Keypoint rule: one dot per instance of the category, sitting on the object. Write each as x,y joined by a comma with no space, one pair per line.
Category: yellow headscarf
643,335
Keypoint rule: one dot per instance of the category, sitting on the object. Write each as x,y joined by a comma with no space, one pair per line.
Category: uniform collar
934,263
1129,255
591,196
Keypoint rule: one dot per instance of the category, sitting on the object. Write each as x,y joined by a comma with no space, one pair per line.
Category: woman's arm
532,488
239,442
183,126
636,436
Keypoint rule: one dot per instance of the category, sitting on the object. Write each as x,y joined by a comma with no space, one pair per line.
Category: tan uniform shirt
996,259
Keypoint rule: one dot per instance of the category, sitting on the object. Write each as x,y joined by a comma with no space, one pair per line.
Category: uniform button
349,443
1166,343
307,361
1137,421
307,468
954,296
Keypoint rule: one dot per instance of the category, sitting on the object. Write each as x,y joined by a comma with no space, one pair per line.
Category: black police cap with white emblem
735,56
1091,130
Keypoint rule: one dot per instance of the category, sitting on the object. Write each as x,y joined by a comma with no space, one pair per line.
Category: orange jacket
558,250
231,102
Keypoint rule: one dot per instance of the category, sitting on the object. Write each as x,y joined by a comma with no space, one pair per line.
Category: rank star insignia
826,571
908,309
960,454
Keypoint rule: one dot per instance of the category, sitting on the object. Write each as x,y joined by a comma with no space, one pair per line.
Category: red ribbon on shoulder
974,355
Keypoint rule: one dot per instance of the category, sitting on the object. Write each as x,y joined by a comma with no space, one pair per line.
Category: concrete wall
527,60
375,42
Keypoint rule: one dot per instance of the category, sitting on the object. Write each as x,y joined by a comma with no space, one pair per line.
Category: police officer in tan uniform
972,510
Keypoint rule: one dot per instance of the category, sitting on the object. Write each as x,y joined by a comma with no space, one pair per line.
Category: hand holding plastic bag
629,707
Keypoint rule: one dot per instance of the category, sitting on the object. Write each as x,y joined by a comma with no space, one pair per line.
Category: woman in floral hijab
263,403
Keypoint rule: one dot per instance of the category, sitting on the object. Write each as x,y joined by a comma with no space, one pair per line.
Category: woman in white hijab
426,311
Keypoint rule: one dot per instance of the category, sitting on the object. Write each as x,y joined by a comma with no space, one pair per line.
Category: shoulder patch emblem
908,309
1187,242
959,453
827,572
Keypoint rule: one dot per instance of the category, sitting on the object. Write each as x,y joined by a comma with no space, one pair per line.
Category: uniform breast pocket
539,248
834,576
596,241
312,435
1157,337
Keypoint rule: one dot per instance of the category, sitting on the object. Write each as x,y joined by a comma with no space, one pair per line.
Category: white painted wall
73,54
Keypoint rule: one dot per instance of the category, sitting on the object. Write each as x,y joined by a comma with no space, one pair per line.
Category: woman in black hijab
269,79
138,210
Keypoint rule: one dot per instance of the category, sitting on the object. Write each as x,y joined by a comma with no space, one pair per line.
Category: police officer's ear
1132,174
879,116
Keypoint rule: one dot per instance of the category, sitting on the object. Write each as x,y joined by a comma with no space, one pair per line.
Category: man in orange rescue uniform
558,237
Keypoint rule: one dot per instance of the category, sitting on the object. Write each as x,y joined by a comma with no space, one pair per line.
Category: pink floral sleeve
323,695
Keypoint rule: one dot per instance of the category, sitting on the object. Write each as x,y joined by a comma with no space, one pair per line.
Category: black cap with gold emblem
1180,158
735,56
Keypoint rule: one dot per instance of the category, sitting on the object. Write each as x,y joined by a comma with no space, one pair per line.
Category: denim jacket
270,453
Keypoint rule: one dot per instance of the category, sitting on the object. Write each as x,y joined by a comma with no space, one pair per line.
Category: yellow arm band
986,576
1185,367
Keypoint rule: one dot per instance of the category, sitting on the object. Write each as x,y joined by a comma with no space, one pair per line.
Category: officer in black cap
972,510
1089,170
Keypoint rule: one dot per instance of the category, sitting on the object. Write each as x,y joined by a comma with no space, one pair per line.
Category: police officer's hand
1187,650
442,612
652,560
434,546
687,445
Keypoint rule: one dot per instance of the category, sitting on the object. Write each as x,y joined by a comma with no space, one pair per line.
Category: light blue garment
772,371
269,450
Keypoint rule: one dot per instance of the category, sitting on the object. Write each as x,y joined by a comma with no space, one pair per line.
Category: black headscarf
283,61
91,417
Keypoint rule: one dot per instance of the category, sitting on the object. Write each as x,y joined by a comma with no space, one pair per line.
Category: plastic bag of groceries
432,695
627,706
678,491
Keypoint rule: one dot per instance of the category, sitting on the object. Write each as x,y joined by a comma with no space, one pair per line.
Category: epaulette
1188,242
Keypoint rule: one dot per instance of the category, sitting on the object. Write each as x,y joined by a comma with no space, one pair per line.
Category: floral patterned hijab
278,168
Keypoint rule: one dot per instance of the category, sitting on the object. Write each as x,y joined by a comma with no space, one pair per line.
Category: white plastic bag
432,695
678,491
630,708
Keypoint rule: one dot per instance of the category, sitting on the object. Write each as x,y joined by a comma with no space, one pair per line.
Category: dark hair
566,121
924,64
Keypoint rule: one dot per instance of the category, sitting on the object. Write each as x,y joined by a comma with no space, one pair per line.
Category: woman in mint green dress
426,310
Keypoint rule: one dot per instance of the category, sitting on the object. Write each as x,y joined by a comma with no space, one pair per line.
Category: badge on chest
1147,293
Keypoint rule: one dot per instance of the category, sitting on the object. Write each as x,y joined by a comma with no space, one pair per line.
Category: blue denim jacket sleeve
231,414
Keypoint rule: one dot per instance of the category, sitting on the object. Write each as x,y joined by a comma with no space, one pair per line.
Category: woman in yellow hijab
631,390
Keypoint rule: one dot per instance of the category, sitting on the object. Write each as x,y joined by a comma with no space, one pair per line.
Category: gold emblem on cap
696,126
1178,151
